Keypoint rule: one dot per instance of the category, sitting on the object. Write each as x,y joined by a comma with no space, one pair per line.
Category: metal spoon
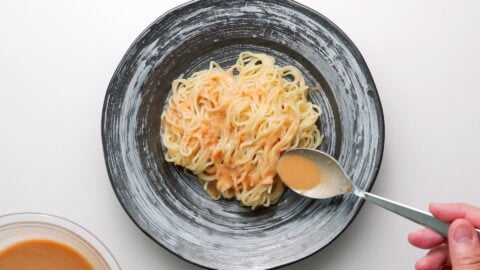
336,182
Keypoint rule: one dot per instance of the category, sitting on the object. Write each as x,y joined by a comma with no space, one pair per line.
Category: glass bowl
20,227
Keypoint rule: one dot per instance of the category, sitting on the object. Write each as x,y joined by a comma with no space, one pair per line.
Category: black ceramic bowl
168,204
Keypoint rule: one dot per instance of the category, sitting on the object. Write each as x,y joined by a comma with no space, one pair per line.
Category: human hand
461,250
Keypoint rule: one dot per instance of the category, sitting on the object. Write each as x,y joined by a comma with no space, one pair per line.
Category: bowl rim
71,227
363,67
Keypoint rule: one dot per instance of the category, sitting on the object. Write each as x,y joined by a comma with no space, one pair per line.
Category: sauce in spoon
311,177
298,172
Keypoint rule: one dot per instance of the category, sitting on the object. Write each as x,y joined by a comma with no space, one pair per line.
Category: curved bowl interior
170,205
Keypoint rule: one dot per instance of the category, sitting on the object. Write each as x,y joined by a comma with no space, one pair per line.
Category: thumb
464,246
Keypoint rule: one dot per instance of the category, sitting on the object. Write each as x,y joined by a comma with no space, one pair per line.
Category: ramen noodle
229,127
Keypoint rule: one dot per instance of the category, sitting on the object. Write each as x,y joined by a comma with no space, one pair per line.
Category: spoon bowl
334,181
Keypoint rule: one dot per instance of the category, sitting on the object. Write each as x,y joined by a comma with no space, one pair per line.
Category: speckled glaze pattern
169,204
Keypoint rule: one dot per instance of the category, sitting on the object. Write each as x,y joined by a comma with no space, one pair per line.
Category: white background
57,57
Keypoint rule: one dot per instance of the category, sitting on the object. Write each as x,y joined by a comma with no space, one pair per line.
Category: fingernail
462,234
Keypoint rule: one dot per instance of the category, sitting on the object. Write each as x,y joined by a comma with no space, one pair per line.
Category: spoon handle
415,215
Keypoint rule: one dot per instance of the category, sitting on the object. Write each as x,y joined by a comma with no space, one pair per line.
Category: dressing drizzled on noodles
229,127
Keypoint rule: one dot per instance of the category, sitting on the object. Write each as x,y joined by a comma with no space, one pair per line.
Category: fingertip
426,263
447,212
412,237
435,259
464,245
423,264
416,238
435,207
462,230
425,238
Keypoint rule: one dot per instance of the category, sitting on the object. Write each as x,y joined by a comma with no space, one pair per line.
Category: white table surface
57,57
